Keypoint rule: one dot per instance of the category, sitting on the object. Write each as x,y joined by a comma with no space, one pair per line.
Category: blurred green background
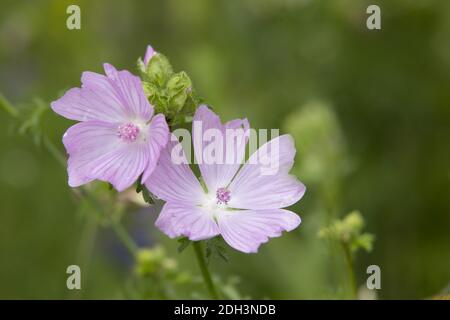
370,112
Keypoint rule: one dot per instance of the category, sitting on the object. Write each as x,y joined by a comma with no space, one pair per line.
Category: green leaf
214,248
183,244
147,196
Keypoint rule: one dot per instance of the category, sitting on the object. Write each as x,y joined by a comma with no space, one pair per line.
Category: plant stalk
204,269
350,271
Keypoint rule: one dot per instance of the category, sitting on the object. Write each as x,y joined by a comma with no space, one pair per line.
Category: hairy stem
350,271
204,269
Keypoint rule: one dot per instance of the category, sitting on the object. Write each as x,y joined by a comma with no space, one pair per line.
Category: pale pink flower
240,203
118,138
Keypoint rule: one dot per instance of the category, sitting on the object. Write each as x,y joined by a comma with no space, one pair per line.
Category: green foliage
349,231
158,276
321,145
7,107
170,93
183,244
146,194
387,93
215,247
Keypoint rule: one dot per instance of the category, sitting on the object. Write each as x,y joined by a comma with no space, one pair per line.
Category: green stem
116,226
123,235
7,106
350,270
204,269
53,150
85,249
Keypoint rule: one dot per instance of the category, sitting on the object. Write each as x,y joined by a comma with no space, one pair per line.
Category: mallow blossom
238,202
118,137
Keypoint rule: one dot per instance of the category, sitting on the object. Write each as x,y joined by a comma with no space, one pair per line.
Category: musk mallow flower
238,202
118,137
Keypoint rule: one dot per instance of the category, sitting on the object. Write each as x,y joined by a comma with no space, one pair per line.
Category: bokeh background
370,112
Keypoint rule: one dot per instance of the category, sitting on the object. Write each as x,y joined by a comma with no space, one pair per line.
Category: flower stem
117,227
204,269
7,106
127,241
60,158
350,270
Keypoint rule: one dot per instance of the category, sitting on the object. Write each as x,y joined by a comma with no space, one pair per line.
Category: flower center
128,132
223,196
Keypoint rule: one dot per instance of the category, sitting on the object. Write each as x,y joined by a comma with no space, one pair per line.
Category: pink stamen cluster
223,196
128,132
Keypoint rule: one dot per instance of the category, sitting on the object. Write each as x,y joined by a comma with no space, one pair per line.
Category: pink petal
246,230
253,188
218,175
95,152
158,136
149,54
114,98
179,219
175,182
130,92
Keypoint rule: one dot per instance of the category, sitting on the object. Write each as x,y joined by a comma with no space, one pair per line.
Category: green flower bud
158,71
348,232
354,222
149,260
178,87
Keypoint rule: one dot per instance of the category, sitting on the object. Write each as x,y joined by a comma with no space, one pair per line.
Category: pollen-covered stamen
128,132
223,196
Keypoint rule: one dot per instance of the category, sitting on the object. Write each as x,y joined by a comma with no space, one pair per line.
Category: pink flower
240,203
118,137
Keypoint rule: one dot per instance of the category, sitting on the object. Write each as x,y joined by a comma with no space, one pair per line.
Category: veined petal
95,152
264,181
114,98
229,153
130,92
180,219
157,140
246,230
175,181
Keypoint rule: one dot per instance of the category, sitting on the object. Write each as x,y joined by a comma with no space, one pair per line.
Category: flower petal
246,230
149,54
95,152
129,90
231,151
114,98
264,181
175,181
179,219
158,136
